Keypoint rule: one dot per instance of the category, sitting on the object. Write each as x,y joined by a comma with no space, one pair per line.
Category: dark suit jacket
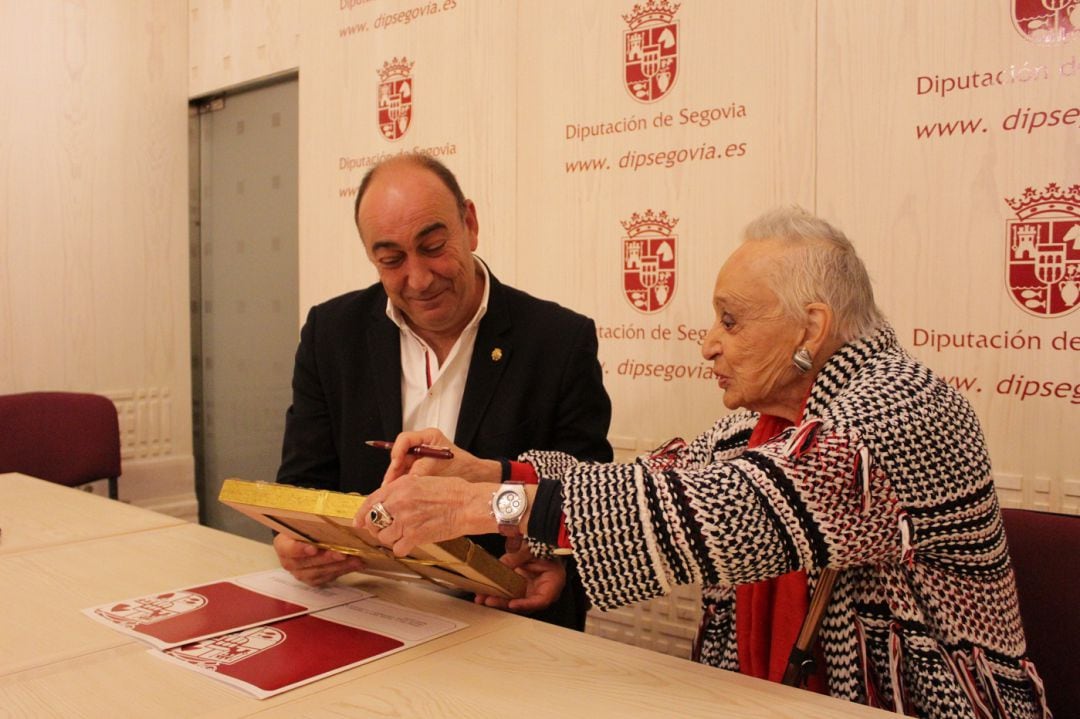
545,391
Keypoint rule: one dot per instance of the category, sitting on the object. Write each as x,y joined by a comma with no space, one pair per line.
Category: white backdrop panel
929,117
731,136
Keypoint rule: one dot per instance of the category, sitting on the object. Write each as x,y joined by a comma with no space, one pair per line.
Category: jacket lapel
491,354
384,341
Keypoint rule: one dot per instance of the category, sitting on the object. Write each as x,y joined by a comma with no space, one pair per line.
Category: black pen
419,450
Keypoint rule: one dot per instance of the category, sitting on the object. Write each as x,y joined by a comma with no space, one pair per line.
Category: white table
36,514
56,662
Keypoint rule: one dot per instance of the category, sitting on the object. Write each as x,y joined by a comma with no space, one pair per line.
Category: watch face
509,504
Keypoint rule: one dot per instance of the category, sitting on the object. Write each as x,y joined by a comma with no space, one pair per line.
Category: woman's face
752,340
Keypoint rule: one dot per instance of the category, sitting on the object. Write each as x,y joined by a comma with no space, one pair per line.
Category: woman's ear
818,329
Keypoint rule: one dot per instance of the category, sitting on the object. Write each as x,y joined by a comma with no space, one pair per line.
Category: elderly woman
849,454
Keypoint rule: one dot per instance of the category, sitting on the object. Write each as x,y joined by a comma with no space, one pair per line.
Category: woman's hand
427,509
464,465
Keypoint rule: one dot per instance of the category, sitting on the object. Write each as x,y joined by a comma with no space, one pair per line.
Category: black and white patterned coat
888,479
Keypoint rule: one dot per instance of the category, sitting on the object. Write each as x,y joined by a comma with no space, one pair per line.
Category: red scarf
770,613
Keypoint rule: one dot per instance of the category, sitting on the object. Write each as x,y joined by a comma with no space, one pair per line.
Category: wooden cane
801,660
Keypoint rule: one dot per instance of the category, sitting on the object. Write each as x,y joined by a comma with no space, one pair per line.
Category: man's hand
544,582
311,565
464,464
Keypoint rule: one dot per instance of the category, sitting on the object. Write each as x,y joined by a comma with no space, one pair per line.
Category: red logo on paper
395,98
231,648
1044,250
148,610
1048,21
648,261
651,50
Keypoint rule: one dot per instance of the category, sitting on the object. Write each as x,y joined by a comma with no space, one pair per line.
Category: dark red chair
69,438
1045,550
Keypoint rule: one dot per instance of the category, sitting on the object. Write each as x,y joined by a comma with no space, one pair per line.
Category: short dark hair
425,161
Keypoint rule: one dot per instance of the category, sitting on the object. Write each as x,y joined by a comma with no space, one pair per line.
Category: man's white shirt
431,393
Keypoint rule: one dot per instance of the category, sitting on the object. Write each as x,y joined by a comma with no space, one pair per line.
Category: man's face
422,247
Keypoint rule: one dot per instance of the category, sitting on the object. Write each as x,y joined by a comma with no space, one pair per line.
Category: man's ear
472,224
819,326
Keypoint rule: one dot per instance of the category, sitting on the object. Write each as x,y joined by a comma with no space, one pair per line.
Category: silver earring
802,360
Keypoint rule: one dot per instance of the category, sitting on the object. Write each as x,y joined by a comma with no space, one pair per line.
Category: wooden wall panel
233,42
93,222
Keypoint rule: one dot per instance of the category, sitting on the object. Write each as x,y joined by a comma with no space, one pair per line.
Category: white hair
818,264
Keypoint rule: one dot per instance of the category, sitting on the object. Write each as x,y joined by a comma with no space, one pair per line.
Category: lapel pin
496,354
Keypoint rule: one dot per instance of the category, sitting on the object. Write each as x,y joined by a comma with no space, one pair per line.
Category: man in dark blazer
437,341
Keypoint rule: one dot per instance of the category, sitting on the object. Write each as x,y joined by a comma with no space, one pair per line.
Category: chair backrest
69,438
1045,550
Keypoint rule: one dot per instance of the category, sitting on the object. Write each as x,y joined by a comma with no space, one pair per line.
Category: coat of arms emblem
148,610
1047,21
1043,250
231,648
651,50
394,106
648,260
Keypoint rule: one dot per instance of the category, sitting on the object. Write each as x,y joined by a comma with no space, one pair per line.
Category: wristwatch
508,505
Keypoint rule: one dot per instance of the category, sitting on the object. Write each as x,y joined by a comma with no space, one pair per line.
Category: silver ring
379,516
